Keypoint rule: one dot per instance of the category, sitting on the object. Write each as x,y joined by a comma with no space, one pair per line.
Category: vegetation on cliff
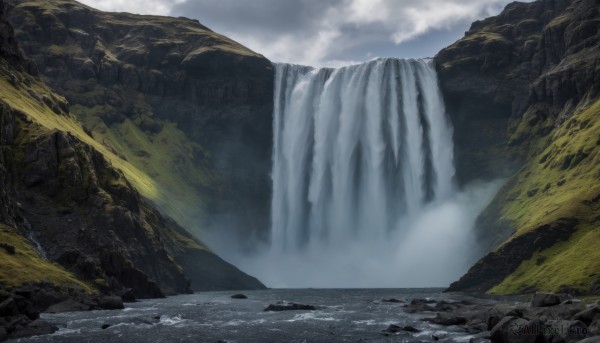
79,197
189,110
534,84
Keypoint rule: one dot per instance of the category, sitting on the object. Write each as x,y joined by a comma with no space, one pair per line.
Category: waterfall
358,152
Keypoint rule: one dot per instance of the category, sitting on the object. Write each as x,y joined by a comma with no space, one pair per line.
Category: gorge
147,156
363,176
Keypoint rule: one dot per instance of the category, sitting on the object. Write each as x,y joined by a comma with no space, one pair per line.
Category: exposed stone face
85,214
218,92
509,85
532,62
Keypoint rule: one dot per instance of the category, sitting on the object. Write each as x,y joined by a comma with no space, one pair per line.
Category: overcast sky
326,33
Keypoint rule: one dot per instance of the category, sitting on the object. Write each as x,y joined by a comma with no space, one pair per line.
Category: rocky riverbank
20,307
546,317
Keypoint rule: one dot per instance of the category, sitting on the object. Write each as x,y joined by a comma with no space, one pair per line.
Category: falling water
362,182
358,151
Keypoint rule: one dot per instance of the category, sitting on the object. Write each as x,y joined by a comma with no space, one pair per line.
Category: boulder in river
289,307
541,299
239,296
446,320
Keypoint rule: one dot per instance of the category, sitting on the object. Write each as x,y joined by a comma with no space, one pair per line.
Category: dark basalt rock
392,300
541,299
446,320
239,296
289,307
497,265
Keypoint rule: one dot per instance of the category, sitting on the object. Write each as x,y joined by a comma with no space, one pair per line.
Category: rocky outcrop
497,265
74,215
522,87
118,69
527,67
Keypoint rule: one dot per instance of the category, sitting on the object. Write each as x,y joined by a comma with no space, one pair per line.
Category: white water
363,192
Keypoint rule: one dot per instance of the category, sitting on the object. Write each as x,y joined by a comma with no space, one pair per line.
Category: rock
515,312
446,320
396,328
289,307
568,330
105,326
8,308
34,328
68,305
435,338
509,330
392,329
392,300
111,303
239,296
409,328
128,296
542,299
588,315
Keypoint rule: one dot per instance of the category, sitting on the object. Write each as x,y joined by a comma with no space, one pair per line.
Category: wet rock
396,328
239,296
567,330
111,303
391,300
68,305
542,299
509,330
128,296
409,328
34,328
446,320
289,307
105,326
8,307
588,315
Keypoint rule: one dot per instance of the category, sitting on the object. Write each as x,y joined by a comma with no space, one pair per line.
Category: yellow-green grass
167,156
27,266
20,99
574,263
566,183
578,135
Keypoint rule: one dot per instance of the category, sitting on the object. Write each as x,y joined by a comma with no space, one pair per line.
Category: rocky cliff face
69,213
523,87
190,108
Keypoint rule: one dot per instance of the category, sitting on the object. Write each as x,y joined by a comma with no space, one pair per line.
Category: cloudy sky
326,33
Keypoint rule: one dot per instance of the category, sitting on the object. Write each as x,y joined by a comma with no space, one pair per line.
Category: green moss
27,266
561,181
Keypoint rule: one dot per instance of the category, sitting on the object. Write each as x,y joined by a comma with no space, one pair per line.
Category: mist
431,250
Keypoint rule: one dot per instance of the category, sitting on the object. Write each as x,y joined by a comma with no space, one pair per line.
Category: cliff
523,87
69,213
189,108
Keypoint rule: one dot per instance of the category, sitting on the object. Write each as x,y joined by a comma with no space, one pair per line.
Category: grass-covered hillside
71,212
534,85
187,109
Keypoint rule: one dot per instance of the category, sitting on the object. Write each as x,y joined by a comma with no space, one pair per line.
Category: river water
357,315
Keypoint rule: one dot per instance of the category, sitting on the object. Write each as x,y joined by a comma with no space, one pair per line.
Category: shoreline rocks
546,318
20,307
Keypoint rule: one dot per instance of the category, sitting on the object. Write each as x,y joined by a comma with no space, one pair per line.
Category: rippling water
356,315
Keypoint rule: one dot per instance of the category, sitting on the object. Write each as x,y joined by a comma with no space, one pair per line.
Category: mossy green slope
169,96
26,265
530,76
563,181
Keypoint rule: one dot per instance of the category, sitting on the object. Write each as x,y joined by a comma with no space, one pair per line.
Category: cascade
358,151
